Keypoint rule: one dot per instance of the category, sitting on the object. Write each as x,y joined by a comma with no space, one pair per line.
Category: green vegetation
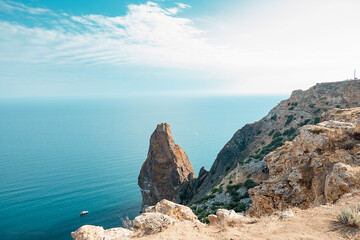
275,143
203,199
276,134
317,120
258,132
274,117
271,132
291,108
250,184
304,123
338,106
219,190
289,119
317,111
312,105
289,132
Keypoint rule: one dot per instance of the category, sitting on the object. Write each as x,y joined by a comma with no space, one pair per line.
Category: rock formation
318,167
155,219
165,169
251,143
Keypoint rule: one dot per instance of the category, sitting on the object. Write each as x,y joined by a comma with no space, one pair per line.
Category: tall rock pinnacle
165,168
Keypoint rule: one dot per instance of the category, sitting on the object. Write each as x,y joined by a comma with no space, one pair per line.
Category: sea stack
166,167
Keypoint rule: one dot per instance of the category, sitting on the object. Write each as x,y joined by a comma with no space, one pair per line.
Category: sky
55,48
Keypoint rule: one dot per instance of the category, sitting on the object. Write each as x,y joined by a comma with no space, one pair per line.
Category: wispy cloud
10,6
147,34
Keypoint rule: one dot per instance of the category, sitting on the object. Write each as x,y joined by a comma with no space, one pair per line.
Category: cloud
147,35
10,6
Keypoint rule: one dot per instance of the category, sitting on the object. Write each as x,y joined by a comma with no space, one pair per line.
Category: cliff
242,156
318,167
165,169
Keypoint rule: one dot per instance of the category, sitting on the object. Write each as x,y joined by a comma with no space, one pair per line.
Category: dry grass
127,223
350,216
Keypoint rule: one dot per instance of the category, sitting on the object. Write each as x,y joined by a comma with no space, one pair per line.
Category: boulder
225,217
171,209
148,223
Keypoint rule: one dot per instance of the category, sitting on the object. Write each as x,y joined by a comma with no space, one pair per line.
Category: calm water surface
59,157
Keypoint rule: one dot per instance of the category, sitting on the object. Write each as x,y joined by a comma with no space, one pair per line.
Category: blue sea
59,157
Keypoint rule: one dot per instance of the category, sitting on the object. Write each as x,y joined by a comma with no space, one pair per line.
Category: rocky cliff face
165,169
243,154
319,166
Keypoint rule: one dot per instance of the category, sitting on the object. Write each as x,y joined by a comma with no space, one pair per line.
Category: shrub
204,199
271,132
338,106
350,216
317,120
304,123
274,117
240,207
289,119
289,132
277,134
250,184
291,108
311,105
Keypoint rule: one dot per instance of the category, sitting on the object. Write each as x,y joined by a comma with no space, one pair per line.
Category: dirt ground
314,223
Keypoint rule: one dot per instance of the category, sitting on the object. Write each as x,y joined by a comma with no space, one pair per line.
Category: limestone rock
342,180
155,219
165,169
89,232
287,214
226,217
318,167
171,209
153,222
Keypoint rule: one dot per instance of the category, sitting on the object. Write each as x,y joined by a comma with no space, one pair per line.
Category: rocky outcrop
89,232
225,217
252,142
317,167
166,168
155,219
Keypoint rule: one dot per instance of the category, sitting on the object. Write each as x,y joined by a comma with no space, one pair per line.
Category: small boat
84,212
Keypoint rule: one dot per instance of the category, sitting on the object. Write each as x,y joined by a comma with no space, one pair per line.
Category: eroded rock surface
318,167
89,232
226,217
155,219
165,169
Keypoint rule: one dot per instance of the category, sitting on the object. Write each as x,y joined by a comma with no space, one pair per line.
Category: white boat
84,212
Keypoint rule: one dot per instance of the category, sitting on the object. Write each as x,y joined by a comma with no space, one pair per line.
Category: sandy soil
315,223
